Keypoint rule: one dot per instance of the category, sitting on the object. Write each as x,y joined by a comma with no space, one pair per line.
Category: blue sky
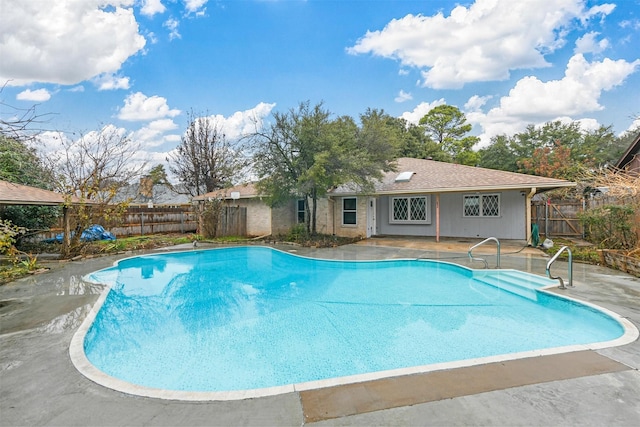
141,65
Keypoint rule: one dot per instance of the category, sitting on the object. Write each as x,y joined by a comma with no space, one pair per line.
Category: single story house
421,198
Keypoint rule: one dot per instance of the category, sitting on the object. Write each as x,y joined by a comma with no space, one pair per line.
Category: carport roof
18,194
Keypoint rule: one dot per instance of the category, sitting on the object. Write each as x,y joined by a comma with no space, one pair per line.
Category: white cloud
403,96
480,43
153,136
633,24
38,95
163,125
420,110
151,7
589,44
66,42
577,92
78,88
476,102
151,36
50,142
242,123
111,82
172,25
195,6
139,107
532,101
635,125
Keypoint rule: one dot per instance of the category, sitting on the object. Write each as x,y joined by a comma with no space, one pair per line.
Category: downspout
437,217
530,195
333,214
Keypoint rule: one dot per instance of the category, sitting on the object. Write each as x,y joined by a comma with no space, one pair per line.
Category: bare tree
206,160
94,168
19,123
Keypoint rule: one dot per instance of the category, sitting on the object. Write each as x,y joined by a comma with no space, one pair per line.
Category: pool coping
85,367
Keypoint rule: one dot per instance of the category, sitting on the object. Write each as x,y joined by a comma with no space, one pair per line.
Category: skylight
404,177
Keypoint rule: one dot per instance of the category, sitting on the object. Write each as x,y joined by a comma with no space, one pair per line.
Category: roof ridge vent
404,176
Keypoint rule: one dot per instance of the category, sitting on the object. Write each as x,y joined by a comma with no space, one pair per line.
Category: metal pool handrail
562,285
488,239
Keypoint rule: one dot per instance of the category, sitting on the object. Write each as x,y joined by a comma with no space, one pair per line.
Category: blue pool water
253,317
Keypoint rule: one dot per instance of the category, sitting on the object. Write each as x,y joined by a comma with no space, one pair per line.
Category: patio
40,386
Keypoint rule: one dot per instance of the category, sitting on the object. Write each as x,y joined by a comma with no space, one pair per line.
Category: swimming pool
193,324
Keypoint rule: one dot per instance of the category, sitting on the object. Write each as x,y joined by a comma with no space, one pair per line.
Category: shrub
8,234
610,226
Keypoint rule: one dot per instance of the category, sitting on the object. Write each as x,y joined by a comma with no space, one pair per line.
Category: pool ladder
551,261
488,239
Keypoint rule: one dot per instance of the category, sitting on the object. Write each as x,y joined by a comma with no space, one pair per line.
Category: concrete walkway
40,386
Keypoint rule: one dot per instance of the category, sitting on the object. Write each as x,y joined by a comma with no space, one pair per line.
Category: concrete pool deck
40,386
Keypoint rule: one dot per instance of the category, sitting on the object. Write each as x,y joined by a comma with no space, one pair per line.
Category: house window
410,210
484,205
301,211
349,211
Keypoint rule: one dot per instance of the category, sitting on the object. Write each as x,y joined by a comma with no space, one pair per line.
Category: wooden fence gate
558,218
232,222
222,221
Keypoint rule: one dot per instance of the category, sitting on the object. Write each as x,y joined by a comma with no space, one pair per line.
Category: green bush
8,235
610,227
298,233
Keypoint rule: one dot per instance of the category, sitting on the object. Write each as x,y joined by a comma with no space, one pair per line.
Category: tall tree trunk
314,199
307,214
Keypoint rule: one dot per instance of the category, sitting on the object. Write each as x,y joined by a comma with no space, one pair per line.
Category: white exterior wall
511,224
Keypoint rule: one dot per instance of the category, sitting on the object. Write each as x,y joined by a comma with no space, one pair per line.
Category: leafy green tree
304,153
499,155
555,149
447,126
158,175
19,163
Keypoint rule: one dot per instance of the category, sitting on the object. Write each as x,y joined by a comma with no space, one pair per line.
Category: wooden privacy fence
139,220
158,219
226,221
558,218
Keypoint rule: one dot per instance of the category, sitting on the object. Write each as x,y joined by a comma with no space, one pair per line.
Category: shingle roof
247,190
429,176
434,177
17,194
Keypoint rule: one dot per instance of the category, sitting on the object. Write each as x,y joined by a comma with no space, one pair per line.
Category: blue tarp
92,233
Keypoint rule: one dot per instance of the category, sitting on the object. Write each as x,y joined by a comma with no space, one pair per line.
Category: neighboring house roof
244,191
429,176
632,153
18,194
161,194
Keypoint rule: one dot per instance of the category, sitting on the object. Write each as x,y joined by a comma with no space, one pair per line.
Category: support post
437,217
66,239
